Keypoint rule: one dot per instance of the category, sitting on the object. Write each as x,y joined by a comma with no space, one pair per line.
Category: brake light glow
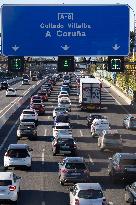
12,188
64,171
76,201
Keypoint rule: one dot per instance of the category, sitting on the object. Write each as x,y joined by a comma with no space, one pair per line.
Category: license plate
91,107
65,147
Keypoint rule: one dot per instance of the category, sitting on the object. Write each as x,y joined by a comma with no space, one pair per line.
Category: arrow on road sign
15,48
65,48
116,47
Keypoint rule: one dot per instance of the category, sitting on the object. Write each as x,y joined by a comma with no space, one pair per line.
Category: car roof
18,146
100,120
6,175
65,137
86,186
74,159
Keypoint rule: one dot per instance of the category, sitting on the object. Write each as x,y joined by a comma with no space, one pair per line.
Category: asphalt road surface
40,186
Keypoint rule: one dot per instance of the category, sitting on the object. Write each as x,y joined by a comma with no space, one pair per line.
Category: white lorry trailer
90,94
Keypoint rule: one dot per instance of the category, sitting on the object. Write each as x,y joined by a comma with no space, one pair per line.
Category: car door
73,195
126,121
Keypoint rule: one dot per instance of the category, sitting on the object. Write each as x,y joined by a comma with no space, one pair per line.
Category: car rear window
37,101
62,127
90,194
75,166
5,182
28,120
29,112
65,140
18,153
23,127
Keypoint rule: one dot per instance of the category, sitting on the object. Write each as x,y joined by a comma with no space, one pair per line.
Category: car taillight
12,188
118,168
64,171
76,201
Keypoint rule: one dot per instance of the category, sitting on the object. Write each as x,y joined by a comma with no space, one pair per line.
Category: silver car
87,194
73,169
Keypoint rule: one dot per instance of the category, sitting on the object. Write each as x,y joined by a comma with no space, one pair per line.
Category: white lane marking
45,132
43,155
90,159
81,133
117,102
10,131
43,202
12,104
48,117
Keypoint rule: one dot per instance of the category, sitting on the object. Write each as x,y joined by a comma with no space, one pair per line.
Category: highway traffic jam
72,142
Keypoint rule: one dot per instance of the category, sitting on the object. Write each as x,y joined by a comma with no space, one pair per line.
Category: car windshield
29,112
75,166
5,182
18,153
90,194
36,100
112,136
128,162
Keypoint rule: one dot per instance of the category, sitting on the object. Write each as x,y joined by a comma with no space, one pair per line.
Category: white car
11,92
87,194
60,126
62,95
18,155
9,187
29,114
58,110
98,125
65,102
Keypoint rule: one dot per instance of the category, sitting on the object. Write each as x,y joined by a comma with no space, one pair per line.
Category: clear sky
131,3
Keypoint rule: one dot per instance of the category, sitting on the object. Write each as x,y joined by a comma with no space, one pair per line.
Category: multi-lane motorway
40,186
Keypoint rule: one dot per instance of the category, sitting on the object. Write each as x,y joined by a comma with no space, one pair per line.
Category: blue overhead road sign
53,30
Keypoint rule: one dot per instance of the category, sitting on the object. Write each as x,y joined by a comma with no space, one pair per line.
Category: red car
43,95
35,97
38,106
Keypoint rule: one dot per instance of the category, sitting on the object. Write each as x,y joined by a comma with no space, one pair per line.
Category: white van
98,125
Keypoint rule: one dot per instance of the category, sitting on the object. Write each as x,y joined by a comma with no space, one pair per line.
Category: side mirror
30,149
52,138
110,158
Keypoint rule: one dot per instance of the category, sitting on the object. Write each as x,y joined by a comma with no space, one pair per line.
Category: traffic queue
73,169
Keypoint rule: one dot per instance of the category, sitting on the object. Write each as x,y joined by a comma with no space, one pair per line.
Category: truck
90,94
